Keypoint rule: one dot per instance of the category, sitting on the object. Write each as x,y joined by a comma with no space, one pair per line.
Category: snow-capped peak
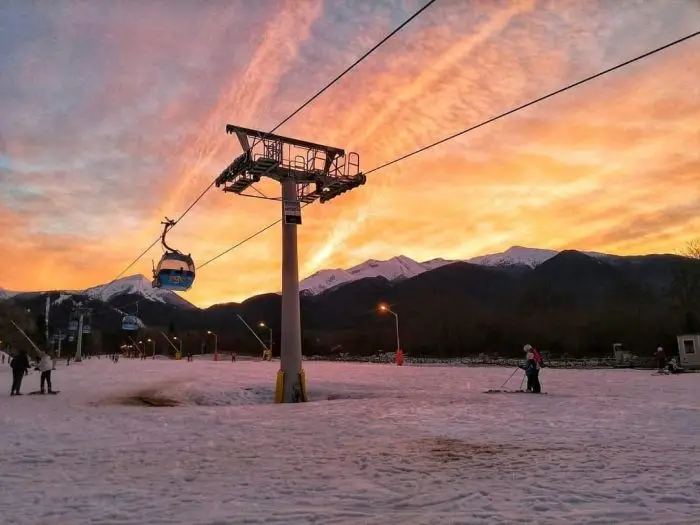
402,267
6,294
515,255
325,279
531,257
395,268
399,267
133,285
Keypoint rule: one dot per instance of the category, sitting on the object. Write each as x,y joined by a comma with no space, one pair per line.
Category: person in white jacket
45,367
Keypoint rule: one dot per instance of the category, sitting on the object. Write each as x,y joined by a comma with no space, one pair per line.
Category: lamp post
263,325
154,347
179,342
216,345
385,308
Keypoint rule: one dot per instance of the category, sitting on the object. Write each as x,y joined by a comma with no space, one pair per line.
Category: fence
604,362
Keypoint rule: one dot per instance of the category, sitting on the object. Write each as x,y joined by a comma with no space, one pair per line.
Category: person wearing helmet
533,362
660,359
45,366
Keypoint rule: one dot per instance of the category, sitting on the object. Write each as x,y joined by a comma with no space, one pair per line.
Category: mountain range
402,267
132,285
570,302
394,269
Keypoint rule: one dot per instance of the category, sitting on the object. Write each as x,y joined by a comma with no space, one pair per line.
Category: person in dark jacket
673,366
20,365
660,359
532,370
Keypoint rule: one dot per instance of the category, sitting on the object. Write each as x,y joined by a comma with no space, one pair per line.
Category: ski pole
509,377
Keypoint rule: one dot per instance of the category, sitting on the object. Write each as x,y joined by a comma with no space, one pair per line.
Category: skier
660,359
673,366
533,361
20,364
45,367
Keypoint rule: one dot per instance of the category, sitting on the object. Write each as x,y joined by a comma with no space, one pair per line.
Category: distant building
622,357
689,350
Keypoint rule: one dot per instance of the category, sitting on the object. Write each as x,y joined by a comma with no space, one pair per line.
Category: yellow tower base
279,387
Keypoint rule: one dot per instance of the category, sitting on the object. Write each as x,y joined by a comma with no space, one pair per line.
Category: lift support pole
290,338
306,172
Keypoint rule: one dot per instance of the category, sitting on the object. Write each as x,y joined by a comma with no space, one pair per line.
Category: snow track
378,445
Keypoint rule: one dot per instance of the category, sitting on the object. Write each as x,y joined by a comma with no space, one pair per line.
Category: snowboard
39,392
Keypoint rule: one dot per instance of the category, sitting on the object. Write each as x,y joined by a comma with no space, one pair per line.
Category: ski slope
394,445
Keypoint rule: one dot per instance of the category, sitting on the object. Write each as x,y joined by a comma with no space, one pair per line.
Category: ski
498,391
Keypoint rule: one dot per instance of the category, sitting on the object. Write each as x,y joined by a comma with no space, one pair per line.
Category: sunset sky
112,115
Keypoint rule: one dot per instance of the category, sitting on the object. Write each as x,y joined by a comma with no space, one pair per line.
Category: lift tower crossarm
318,171
261,135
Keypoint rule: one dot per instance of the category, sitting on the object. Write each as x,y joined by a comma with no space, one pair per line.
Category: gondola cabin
175,271
131,323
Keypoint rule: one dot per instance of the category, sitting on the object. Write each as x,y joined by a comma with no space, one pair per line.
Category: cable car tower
306,172
79,325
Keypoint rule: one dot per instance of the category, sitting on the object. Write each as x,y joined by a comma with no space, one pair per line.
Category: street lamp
216,345
385,308
263,325
154,347
179,342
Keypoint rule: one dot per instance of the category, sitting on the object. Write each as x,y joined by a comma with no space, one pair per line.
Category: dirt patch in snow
150,399
450,449
142,398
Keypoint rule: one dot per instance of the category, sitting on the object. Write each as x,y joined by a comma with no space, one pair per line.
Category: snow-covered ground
393,445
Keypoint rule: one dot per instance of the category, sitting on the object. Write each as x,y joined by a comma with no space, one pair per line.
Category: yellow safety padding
302,380
279,387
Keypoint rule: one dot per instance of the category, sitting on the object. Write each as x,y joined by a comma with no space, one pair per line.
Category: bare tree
692,250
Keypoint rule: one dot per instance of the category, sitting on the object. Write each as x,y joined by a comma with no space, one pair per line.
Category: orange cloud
609,166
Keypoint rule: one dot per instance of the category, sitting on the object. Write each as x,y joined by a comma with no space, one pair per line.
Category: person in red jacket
533,363
535,354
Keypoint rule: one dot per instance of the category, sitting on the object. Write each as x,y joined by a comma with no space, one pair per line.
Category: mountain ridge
575,303
130,285
403,267
394,269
